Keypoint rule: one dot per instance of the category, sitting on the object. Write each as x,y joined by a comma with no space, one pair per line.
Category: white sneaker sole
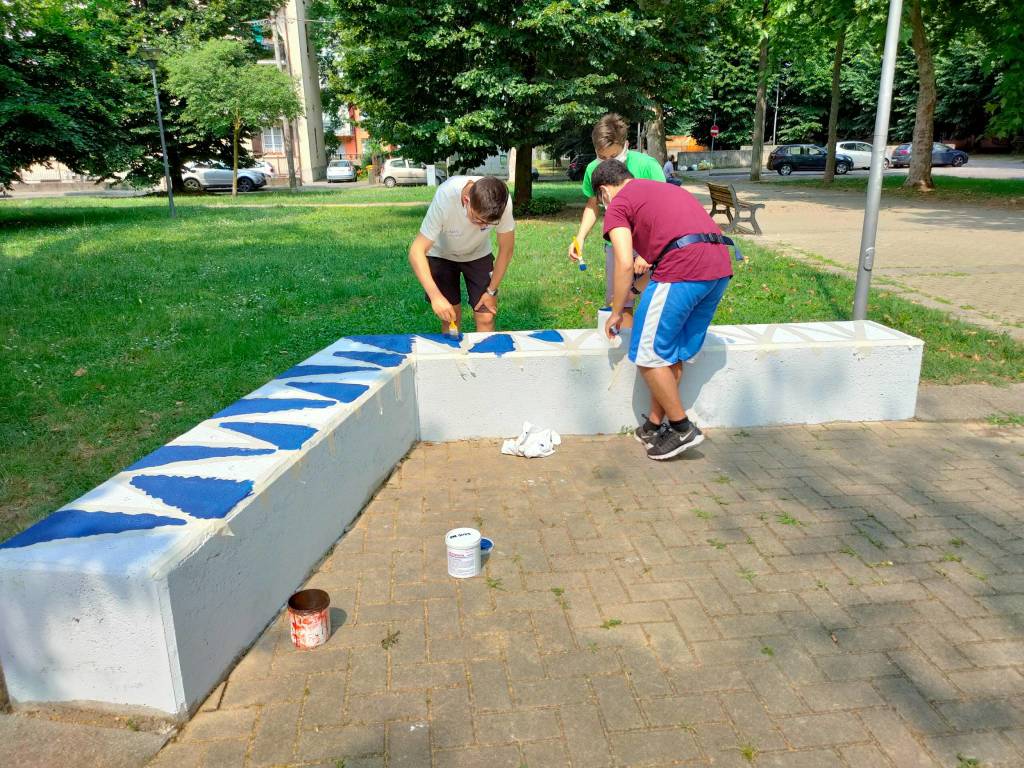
682,448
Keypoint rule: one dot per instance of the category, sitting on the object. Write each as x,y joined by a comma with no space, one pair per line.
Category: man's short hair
488,197
611,130
609,173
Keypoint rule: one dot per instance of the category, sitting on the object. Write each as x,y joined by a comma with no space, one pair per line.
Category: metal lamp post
874,196
150,55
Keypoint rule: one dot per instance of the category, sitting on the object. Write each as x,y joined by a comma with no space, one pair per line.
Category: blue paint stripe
320,370
548,336
343,393
400,343
498,343
287,437
169,454
383,359
202,497
76,523
269,405
441,338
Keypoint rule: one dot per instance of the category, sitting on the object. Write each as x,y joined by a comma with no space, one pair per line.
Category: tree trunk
234,160
523,175
833,112
920,175
174,161
656,135
757,141
376,162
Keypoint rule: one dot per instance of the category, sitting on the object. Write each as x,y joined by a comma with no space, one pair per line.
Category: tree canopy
226,93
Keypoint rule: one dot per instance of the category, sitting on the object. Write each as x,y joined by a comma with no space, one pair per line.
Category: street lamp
150,56
881,135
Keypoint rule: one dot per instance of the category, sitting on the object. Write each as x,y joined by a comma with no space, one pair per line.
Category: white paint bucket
463,546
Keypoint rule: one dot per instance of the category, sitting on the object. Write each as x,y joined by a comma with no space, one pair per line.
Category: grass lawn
122,329
1004,192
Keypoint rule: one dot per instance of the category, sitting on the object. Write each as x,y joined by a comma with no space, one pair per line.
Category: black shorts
446,275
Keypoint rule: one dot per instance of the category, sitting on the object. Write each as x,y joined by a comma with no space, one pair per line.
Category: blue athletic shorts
672,319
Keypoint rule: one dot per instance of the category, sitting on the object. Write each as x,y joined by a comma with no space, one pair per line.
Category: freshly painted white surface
749,375
143,592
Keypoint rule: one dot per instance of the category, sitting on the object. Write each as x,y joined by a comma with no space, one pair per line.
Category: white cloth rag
532,443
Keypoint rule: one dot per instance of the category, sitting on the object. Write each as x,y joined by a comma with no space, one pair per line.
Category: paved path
963,258
831,596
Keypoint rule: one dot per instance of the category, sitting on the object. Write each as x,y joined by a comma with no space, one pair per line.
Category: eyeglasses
475,220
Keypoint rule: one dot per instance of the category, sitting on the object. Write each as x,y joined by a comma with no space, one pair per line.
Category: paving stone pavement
840,595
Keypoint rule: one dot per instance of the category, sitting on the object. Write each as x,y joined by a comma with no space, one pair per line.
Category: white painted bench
144,591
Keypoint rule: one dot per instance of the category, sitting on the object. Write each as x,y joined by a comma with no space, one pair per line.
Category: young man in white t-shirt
455,241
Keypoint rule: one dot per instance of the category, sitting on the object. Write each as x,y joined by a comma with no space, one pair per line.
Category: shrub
539,206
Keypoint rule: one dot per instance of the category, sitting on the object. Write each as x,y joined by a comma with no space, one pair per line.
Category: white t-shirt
448,226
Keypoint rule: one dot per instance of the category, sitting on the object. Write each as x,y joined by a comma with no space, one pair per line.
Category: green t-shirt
640,165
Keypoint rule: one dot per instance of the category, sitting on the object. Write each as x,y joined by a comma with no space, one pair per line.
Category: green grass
1008,419
121,329
1002,191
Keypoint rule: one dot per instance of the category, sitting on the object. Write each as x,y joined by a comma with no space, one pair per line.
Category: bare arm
587,223
418,260
506,245
622,246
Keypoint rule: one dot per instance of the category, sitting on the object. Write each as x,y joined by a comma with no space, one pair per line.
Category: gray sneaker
668,443
644,435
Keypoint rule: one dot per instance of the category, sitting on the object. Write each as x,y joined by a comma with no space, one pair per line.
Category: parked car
213,174
941,155
340,170
397,170
578,167
535,174
264,167
860,152
804,157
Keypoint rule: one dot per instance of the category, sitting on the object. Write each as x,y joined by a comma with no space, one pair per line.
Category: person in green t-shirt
610,142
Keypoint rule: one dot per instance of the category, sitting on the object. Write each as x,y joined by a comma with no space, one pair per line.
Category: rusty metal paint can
310,614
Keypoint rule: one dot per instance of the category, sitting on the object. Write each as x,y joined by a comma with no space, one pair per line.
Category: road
967,259
979,167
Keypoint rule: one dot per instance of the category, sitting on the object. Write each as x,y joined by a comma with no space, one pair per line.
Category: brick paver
841,595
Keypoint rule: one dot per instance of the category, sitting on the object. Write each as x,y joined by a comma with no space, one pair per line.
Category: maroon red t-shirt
658,213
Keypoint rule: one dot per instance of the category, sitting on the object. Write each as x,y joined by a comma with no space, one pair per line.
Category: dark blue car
805,157
941,155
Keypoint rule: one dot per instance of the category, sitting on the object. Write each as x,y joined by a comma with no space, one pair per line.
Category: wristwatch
490,292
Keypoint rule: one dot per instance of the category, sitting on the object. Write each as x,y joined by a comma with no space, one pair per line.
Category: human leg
477,275
446,277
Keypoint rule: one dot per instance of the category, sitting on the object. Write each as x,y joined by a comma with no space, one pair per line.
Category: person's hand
443,309
572,252
640,266
611,328
487,303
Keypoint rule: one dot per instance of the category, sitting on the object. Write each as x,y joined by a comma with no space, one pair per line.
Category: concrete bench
142,593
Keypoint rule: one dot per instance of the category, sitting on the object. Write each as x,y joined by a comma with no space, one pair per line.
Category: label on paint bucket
463,546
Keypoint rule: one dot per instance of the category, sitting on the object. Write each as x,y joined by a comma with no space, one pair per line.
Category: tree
224,91
444,78
64,88
174,26
664,61
920,174
757,139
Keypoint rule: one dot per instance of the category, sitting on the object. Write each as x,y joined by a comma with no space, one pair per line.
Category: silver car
340,170
397,170
214,174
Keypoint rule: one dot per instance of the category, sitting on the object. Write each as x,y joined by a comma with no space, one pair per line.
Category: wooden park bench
724,200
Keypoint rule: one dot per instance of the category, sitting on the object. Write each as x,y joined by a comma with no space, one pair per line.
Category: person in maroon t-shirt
675,309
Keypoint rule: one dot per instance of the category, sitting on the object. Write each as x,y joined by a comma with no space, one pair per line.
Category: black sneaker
645,435
668,443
